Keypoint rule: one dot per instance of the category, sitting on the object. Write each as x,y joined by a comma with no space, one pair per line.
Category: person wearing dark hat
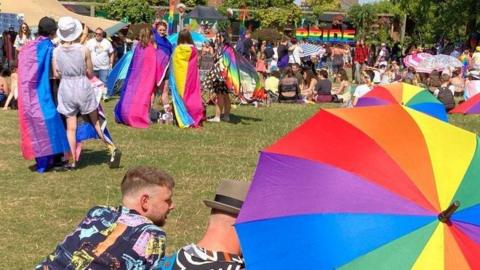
219,247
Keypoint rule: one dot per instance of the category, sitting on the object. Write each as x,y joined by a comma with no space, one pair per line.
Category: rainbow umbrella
470,106
382,187
412,96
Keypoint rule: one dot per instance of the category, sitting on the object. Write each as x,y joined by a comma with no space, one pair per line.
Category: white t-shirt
100,53
296,55
476,60
361,90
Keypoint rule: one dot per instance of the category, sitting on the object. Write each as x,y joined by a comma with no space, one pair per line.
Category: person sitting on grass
126,237
219,247
13,95
365,87
323,88
308,85
288,88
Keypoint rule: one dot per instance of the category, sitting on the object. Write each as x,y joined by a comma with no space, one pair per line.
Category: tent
34,10
205,13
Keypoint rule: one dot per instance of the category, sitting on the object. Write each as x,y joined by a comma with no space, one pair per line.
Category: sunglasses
99,34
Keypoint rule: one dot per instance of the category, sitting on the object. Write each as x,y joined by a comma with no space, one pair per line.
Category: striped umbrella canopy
438,62
381,187
312,49
413,60
411,96
470,106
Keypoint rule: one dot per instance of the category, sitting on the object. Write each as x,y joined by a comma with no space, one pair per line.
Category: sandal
115,159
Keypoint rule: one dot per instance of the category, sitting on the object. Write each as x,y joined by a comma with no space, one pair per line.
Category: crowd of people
323,77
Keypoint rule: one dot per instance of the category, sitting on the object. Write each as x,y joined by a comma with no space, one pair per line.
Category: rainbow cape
238,72
147,69
41,127
185,86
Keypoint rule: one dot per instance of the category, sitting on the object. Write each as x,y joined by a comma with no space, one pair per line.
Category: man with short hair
126,237
102,54
219,248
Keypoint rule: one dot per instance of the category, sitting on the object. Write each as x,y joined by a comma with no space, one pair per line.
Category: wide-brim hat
69,29
229,196
475,74
181,6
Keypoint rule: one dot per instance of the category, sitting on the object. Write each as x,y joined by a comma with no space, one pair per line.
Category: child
13,90
4,86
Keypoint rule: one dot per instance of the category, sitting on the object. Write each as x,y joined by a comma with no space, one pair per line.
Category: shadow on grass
90,157
238,119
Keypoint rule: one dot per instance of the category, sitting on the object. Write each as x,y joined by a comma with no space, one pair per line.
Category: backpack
269,52
446,97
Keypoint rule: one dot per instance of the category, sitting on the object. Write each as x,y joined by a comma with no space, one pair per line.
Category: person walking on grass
125,237
72,63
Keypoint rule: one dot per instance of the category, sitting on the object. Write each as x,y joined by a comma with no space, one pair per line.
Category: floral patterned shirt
110,238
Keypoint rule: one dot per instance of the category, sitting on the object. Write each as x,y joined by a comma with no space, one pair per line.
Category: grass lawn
38,210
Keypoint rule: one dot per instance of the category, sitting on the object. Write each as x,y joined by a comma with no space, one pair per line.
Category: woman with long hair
307,87
163,46
24,35
185,82
342,93
135,95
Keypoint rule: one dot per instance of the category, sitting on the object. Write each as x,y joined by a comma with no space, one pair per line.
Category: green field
38,210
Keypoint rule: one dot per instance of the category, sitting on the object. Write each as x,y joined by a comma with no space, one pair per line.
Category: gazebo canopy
34,10
205,13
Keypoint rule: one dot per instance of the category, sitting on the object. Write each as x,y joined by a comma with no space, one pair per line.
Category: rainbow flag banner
185,86
42,130
348,35
335,35
326,35
301,33
315,32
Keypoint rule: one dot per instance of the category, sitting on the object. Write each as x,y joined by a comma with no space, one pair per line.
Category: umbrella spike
445,215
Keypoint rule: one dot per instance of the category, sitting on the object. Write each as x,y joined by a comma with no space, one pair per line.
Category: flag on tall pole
171,10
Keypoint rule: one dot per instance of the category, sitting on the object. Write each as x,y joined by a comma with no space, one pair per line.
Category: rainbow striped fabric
236,70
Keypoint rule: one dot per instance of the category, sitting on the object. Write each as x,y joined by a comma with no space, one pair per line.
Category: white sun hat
69,29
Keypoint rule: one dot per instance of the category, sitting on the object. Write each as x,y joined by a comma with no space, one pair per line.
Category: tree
133,11
275,17
320,6
435,19
257,4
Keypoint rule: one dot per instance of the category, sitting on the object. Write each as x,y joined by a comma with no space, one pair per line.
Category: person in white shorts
72,63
